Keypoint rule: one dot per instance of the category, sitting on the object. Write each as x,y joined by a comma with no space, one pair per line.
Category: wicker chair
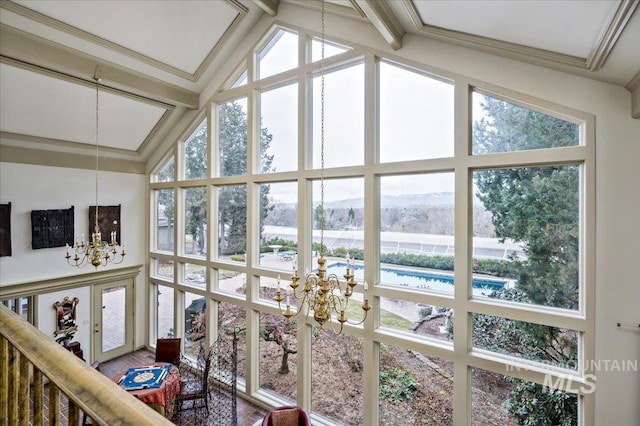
194,384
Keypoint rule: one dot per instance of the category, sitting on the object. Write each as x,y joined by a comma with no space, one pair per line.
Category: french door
113,319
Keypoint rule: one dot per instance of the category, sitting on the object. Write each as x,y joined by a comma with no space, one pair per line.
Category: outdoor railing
28,358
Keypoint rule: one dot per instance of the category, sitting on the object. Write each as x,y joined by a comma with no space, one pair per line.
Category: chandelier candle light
322,295
96,252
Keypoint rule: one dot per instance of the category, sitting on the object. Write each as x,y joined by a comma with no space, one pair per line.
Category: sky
416,122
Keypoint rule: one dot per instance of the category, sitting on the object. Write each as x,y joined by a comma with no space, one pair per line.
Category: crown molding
92,38
489,45
596,60
610,34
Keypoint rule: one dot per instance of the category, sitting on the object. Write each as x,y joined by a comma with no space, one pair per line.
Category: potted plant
66,338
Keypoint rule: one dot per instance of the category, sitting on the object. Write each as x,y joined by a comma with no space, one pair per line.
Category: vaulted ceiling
160,55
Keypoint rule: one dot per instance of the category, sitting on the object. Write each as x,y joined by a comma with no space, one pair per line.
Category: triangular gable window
166,173
279,54
330,49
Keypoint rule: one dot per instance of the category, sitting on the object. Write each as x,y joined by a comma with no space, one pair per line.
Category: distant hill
439,199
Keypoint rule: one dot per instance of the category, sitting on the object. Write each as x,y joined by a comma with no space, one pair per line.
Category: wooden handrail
22,347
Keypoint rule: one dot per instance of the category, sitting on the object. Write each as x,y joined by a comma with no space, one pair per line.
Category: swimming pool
421,279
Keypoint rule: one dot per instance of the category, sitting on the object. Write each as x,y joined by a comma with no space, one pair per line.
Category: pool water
421,279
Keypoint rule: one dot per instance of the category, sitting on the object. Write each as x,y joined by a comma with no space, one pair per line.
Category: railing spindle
23,392
38,398
12,406
54,405
4,378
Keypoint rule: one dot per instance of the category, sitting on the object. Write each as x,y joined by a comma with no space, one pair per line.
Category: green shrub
397,385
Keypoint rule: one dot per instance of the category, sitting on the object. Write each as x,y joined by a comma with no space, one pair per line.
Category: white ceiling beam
269,6
19,46
381,16
610,33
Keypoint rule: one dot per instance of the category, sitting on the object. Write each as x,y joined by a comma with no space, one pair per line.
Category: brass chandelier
96,251
321,295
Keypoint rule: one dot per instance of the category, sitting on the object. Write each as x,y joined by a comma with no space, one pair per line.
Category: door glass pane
416,231
343,118
164,219
415,389
279,54
232,222
416,115
165,312
529,234
114,330
195,153
195,221
279,129
499,126
195,323
278,224
232,138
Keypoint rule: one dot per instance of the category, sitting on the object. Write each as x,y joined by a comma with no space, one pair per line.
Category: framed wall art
66,315
51,228
108,221
5,229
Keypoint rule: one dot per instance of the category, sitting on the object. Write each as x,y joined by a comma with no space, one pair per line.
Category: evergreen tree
538,207
232,199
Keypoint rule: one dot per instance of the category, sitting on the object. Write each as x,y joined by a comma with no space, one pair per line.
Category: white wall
47,315
31,187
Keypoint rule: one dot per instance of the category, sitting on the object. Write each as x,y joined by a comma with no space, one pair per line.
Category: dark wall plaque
108,221
5,229
51,228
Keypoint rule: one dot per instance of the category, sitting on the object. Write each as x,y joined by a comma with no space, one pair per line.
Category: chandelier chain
322,100
321,295
96,251
97,79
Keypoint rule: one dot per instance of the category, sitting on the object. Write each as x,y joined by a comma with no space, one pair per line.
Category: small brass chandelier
95,252
321,295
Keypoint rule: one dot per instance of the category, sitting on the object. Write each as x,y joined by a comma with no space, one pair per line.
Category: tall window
476,246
